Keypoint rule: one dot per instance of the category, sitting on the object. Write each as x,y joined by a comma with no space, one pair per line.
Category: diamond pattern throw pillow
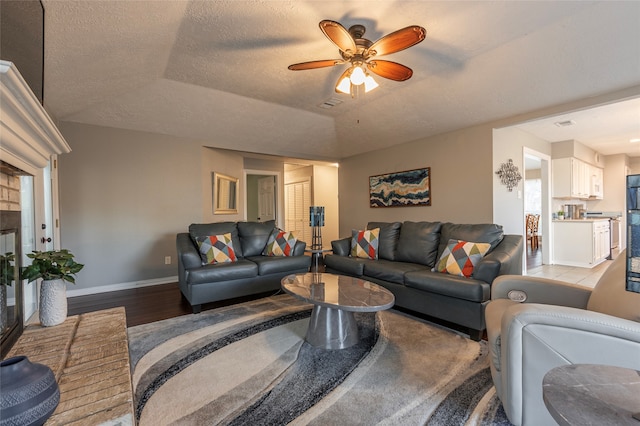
280,243
364,244
216,249
460,257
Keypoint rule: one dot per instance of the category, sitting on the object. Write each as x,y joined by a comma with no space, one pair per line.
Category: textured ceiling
216,71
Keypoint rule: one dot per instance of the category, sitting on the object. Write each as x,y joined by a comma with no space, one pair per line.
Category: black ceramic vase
29,393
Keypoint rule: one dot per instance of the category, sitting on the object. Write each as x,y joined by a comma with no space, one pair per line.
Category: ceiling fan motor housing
357,31
362,44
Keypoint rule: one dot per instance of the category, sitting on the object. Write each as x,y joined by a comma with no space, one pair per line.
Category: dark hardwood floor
534,256
154,303
146,304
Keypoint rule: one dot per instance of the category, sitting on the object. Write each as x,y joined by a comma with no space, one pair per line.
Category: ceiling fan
362,55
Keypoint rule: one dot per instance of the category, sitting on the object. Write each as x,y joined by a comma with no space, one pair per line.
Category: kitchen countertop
589,219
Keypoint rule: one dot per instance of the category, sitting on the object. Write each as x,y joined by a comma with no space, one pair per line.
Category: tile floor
581,276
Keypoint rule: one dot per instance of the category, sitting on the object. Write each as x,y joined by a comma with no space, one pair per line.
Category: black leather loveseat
409,251
251,272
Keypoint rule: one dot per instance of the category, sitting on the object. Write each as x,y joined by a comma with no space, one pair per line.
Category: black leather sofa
252,273
406,255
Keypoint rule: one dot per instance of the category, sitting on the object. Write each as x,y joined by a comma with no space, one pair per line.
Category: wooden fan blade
338,35
390,70
315,64
398,40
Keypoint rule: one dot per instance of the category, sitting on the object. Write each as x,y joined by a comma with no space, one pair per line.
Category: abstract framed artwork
401,189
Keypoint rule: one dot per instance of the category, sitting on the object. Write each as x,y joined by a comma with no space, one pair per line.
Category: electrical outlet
167,260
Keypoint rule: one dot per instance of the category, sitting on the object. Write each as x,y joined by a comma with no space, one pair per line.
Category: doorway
537,216
263,197
532,211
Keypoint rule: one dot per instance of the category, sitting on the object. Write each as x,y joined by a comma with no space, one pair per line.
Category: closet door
297,202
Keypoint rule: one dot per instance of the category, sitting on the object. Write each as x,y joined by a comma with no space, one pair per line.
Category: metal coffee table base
332,328
335,298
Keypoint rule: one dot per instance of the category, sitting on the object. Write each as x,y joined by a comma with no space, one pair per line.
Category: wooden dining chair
532,221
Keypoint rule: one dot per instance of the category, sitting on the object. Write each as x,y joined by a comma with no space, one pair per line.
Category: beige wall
508,207
325,193
634,165
461,180
125,194
227,163
464,186
298,174
123,197
577,150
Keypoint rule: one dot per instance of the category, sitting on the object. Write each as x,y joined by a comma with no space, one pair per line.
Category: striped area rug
248,364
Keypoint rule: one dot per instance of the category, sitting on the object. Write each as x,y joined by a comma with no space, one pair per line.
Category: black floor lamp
316,221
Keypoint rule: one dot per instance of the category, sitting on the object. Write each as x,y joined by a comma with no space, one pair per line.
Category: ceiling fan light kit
359,53
344,86
355,76
369,84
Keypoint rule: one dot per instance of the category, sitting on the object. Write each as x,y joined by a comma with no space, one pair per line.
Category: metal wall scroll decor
509,175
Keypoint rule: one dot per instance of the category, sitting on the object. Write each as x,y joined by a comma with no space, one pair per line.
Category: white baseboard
121,286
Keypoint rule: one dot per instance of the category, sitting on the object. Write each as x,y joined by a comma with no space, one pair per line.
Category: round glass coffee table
335,298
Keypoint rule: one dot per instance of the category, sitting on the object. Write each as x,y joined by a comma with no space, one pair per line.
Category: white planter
53,302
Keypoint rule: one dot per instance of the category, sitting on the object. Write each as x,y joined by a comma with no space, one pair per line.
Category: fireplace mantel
28,135
28,139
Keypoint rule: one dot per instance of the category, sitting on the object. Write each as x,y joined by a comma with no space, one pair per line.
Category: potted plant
560,214
7,275
54,267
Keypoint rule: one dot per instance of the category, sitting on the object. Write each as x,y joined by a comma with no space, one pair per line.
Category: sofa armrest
486,270
341,247
560,318
298,249
506,258
540,290
188,255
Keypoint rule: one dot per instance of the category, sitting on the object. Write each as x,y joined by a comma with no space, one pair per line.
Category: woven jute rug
248,364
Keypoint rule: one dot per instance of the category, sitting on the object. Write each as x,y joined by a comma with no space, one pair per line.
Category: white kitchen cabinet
571,178
602,240
597,183
584,242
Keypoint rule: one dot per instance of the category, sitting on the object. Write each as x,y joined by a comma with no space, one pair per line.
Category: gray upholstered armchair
536,324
